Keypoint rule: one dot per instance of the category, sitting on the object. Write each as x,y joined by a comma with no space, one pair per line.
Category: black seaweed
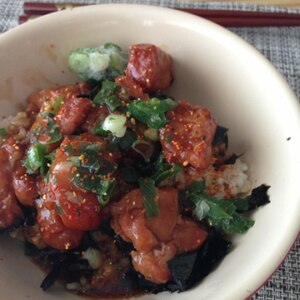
28,218
61,264
122,245
232,159
258,197
187,269
220,137
17,224
51,277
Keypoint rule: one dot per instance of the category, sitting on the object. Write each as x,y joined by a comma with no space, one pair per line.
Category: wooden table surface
280,3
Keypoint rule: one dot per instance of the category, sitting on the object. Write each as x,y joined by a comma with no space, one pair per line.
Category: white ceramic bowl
213,67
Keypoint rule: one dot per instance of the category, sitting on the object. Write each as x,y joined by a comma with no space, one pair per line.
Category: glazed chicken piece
57,111
159,239
44,97
150,67
149,70
72,114
11,153
24,185
196,123
52,230
67,206
132,88
79,208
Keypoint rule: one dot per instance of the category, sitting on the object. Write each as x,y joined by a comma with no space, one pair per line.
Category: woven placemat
281,45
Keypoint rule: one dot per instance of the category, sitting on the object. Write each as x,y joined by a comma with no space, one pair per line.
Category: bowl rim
220,32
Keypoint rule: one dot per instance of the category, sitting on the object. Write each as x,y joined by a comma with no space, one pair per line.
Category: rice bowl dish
247,160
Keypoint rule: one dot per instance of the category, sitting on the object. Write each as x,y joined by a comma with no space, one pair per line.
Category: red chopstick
221,17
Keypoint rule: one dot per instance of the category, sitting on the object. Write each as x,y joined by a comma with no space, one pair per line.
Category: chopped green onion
108,187
108,95
36,159
163,170
115,124
171,171
127,140
98,130
148,191
144,148
152,112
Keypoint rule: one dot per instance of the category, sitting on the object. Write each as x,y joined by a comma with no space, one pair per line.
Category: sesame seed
67,245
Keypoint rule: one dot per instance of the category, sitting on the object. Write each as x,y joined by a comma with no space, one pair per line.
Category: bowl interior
213,68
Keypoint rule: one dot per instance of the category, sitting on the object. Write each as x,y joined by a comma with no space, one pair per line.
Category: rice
16,125
228,181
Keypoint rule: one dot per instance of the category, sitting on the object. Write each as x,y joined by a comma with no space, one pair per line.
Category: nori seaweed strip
122,245
205,260
189,268
17,224
62,264
232,159
51,277
30,214
258,197
70,268
221,136
28,219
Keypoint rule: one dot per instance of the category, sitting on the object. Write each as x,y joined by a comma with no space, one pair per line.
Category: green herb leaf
96,184
148,191
90,160
53,131
221,214
36,159
87,181
92,171
108,95
152,112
